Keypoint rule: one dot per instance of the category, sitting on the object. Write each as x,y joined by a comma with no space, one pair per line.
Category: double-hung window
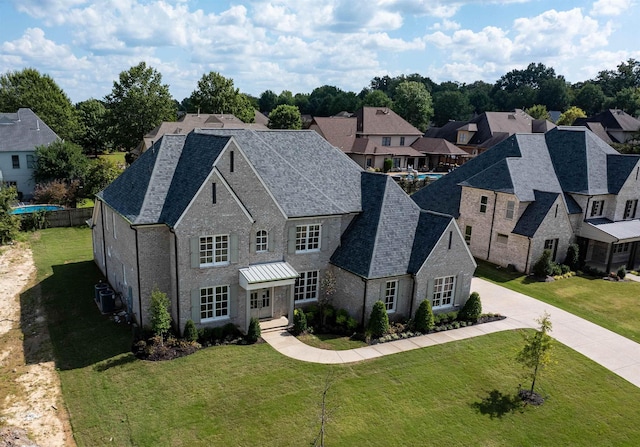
597,207
15,161
391,296
306,287
467,234
307,238
443,289
214,250
386,141
262,241
511,206
630,209
214,303
484,200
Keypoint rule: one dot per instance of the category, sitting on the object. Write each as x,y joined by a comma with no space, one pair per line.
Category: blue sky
298,45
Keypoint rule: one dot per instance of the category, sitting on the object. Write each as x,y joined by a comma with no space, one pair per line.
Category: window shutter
456,287
195,305
195,252
252,243
233,248
383,289
292,239
233,300
324,238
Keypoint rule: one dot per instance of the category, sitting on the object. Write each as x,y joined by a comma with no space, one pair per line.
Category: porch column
247,308
291,298
610,258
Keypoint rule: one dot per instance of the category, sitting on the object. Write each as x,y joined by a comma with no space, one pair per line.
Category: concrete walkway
615,352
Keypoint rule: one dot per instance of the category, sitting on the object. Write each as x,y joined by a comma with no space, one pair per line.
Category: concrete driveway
615,352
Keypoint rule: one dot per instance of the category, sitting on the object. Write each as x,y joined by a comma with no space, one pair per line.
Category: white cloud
33,47
610,7
446,25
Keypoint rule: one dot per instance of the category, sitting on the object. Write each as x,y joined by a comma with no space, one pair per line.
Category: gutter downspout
413,295
104,243
611,255
364,300
175,248
138,269
526,262
493,219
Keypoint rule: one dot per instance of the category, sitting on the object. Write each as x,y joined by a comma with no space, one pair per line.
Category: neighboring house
190,121
234,224
441,155
613,126
545,191
372,135
20,134
488,129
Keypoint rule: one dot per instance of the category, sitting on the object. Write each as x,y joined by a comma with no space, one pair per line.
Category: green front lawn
330,341
458,393
613,305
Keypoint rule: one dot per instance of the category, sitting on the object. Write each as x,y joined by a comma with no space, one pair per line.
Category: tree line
139,100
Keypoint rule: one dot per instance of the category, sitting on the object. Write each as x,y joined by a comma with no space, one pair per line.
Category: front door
260,303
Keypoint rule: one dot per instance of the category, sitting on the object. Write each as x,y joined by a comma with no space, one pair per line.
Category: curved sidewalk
615,352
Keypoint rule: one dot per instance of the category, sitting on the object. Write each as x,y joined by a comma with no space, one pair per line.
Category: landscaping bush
378,320
472,308
190,331
543,266
556,269
299,321
424,321
573,257
622,272
565,268
230,331
160,316
254,331
388,164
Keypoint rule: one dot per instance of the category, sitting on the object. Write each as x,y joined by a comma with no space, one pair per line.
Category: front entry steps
276,324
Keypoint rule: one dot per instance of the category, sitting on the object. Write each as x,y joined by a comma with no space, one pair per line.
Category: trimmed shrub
388,164
472,309
254,331
622,272
556,269
379,320
573,257
565,268
424,321
160,316
230,331
543,266
299,321
190,331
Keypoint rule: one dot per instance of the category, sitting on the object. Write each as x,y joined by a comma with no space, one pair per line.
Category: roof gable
619,167
429,230
338,131
383,121
24,131
535,213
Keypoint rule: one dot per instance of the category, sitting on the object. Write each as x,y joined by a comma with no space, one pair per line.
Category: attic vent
512,117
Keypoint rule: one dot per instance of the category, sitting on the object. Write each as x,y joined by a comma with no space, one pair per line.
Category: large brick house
235,224
545,191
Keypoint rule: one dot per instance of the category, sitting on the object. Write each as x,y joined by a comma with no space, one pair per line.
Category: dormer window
462,137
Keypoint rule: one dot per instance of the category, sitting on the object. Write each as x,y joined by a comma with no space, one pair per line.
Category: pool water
26,209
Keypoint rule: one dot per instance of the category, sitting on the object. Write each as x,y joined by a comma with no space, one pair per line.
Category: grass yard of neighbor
456,394
610,304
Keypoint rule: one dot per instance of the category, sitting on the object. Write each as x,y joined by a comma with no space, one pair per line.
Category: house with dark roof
234,224
372,135
613,125
488,129
20,134
545,191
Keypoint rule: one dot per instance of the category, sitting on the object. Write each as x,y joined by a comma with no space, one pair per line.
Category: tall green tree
217,94
536,353
39,92
285,117
413,103
590,98
553,93
570,115
138,102
60,160
627,99
539,112
376,98
92,135
450,105
268,101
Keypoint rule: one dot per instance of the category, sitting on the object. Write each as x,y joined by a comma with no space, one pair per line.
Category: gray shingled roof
305,174
159,186
430,227
379,242
535,213
24,131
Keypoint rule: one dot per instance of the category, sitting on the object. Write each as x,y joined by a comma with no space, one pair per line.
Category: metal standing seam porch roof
607,231
272,274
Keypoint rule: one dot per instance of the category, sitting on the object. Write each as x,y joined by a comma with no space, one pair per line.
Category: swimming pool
26,209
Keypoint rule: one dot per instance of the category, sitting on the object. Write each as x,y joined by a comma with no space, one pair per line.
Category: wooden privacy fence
72,217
